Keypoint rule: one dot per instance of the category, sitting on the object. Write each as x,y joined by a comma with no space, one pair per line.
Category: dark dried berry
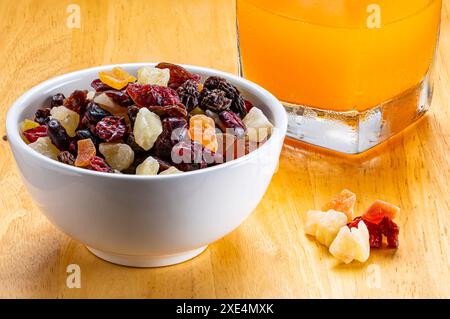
169,110
188,156
94,113
58,135
34,133
98,164
189,94
42,116
248,105
214,100
145,95
84,134
231,92
178,74
232,123
130,140
120,98
66,157
77,101
174,130
132,112
99,86
57,100
111,128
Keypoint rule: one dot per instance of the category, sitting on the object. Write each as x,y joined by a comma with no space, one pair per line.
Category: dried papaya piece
117,78
343,202
86,151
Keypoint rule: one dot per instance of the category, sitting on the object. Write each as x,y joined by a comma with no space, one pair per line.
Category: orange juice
338,55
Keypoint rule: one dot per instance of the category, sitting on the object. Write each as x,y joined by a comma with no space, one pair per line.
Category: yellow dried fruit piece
258,126
68,118
170,171
329,226
147,128
202,129
153,76
118,155
148,167
44,146
28,125
117,78
351,244
86,151
313,218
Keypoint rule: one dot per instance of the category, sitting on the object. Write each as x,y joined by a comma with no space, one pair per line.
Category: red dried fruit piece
178,74
77,101
391,231
174,130
380,209
98,164
232,123
99,86
169,110
248,105
188,156
33,134
343,202
120,98
86,150
145,95
111,128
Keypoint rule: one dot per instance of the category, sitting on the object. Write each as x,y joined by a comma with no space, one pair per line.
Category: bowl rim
14,137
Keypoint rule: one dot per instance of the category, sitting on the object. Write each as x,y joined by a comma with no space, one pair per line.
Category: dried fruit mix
163,121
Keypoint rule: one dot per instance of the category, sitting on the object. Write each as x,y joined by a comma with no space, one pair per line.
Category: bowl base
147,261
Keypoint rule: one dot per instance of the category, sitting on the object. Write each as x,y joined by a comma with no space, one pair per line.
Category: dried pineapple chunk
68,118
44,146
148,167
153,76
258,126
313,217
118,155
329,226
170,171
351,244
147,128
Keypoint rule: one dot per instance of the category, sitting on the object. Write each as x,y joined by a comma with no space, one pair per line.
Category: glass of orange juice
351,73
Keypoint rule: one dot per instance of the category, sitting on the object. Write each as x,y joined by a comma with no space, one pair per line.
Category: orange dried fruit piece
343,202
379,210
86,151
117,78
202,129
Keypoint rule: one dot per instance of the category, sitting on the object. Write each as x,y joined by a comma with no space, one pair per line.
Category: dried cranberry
98,164
58,135
42,116
189,94
33,134
188,156
178,74
111,128
174,130
77,101
232,123
57,100
145,95
120,98
94,113
168,110
391,231
214,100
248,105
66,157
99,86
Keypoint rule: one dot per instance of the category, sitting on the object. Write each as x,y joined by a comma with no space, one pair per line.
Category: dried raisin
66,157
214,100
57,100
77,101
189,94
42,116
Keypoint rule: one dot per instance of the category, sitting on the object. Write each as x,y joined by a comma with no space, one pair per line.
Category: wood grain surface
269,255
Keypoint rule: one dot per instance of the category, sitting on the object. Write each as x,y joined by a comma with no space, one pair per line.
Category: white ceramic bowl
145,221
